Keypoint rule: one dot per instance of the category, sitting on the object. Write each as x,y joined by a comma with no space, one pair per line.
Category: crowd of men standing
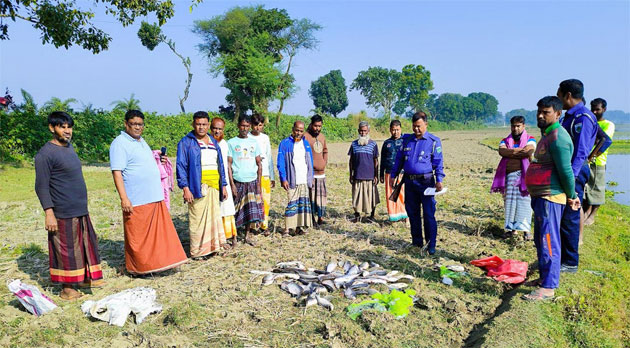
227,186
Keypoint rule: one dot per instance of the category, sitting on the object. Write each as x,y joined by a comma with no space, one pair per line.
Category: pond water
622,131
618,170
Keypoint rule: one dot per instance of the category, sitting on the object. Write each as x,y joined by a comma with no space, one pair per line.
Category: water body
618,170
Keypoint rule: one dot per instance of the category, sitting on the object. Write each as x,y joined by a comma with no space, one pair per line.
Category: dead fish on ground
353,270
292,288
346,266
345,280
310,300
268,279
456,268
287,275
398,286
405,278
291,264
322,301
374,265
392,273
331,267
329,284
259,272
378,272
350,294
364,266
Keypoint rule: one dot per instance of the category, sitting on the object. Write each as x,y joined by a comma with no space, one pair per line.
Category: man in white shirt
268,179
295,169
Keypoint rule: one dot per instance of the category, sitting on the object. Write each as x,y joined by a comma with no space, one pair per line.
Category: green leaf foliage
64,23
329,93
415,84
380,87
150,35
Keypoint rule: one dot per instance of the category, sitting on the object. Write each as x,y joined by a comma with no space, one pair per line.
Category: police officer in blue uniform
582,126
422,163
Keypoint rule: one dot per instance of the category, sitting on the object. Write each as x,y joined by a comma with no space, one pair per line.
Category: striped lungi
395,210
205,224
265,186
318,197
73,252
298,211
248,204
364,196
595,190
518,209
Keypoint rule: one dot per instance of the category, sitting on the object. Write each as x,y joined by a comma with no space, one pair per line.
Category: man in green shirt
595,192
551,184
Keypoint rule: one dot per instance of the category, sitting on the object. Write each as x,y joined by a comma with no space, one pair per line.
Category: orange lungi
151,241
395,210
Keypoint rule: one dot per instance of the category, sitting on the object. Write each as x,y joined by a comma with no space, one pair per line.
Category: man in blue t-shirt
363,166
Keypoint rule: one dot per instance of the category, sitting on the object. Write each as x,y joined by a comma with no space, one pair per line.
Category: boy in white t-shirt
268,178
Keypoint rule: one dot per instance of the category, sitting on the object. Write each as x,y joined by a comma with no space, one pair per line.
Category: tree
530,115
246,44
379,86
329,93
472,109
56,104
415,84
64,23
449,107
488,102
151,35
127,104
300,35
29,102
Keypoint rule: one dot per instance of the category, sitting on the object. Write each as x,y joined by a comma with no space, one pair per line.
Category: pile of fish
345,276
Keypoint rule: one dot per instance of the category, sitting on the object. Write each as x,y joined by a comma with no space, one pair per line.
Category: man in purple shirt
581,125
364,173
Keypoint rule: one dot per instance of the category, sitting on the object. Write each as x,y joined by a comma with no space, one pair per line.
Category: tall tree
63,23
151,35
379,86
245,44
329,93
472,109
300,36
489,103
415,84
56,104
449,107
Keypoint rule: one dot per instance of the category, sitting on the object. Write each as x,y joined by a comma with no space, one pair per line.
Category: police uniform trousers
570,223
415,200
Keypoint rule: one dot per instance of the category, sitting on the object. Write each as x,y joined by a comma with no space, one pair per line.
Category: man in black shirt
59,184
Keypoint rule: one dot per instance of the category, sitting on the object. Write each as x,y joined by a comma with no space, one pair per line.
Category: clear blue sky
517,51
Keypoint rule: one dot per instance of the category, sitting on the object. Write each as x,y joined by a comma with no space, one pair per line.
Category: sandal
537,295
72,297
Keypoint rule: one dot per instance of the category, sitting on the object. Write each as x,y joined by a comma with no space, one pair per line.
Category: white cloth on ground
115,308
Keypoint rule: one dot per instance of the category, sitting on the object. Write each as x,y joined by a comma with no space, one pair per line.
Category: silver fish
329,284
294,289
364,266
331,267
350,294
346,266
374,264
329,276
309,278
321,289
357,285
268,279
378,272
398,286
361,291
405,278
345,280
291,264
392,273
371,291
259,272
310,300
322,301
287,275
365,274
353,270
374,280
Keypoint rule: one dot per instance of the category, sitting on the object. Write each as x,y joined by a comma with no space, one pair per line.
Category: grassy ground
219,303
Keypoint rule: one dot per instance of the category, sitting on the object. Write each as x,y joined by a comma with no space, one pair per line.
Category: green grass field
218,303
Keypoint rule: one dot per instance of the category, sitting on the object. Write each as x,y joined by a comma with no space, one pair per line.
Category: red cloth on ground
507,271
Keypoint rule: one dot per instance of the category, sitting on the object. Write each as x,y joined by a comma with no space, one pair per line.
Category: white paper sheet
430,191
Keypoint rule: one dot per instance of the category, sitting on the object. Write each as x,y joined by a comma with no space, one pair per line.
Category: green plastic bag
396,302
445,272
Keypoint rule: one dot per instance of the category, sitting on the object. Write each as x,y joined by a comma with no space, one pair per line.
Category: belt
417,176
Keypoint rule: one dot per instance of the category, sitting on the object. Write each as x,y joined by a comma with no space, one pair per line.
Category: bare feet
249,240
69,293
88,283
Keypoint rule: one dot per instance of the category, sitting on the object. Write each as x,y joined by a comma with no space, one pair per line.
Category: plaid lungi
518,208
318,197
73,251
298,211
364,196
249,204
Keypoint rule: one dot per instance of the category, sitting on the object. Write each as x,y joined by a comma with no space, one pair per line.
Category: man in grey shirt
74,258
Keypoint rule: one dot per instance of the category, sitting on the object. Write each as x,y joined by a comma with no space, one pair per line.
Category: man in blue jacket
295,168
201,176
581,125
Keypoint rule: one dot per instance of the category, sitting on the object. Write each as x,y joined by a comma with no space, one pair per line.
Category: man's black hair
59,118
395,123
316,118
201,114
550,101
133,113
517,119
244,118
257,119
599,101
576,87
419,115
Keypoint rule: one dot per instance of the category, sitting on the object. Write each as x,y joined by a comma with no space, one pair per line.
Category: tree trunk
186,62
284,94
